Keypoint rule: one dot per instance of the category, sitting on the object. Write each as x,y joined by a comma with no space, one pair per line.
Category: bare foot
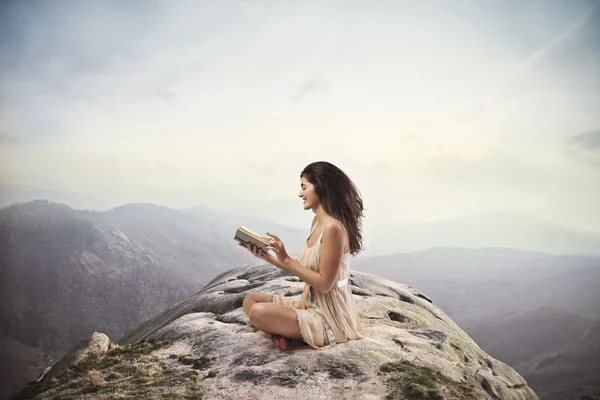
280,342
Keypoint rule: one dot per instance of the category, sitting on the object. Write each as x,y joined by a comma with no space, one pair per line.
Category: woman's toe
276,339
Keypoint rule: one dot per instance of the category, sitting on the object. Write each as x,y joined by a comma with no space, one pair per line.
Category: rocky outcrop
94,346
413,349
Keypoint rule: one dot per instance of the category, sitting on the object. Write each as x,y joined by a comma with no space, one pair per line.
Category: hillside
472,284
66,273
556,351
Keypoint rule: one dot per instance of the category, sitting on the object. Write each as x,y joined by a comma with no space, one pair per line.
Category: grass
408,381
125,372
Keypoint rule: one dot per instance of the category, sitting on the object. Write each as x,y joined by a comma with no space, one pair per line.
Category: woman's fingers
249,246
277,242
274,236
256,250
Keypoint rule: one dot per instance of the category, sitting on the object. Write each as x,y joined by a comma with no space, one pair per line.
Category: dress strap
320,236
312,230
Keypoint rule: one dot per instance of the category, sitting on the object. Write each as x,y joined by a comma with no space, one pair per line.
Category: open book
245,235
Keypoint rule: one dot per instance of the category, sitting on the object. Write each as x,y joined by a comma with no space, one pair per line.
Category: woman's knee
256,312
250,297
247,303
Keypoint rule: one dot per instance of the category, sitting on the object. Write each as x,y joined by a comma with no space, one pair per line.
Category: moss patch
408,381
196,362
125,372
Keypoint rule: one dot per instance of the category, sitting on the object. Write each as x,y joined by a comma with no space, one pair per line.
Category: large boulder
413,349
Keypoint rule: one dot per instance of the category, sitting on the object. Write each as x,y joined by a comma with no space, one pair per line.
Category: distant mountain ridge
501,280
556,351
493,228
537,312
499,228
66,273
11,194
70,271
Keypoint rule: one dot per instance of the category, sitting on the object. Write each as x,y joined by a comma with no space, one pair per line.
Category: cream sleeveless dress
325,318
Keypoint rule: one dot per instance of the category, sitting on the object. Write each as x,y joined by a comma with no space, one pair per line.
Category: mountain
493,228
189,245
530,310
17,194
66,273
496,228
287,212
571,369
519,337
21,363
292,238
556,351
205,347
474,284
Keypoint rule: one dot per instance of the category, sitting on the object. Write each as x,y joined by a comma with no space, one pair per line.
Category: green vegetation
408,381
125,372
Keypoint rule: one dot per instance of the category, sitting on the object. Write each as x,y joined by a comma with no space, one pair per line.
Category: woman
325,314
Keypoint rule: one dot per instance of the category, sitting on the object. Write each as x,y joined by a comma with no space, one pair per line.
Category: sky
435,109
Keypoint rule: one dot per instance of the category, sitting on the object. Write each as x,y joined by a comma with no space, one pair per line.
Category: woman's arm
313,278
332,248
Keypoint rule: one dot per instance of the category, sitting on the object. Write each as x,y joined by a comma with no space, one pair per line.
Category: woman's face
307,193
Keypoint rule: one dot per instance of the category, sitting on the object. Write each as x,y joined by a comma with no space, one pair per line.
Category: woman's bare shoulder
332,223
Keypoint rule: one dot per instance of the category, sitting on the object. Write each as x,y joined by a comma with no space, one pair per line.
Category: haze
434,109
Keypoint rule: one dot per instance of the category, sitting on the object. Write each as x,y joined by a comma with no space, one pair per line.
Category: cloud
166,94
8,140
504,85
314,87
586,140
585,147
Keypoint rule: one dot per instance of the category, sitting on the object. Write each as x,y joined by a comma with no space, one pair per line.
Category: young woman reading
326,313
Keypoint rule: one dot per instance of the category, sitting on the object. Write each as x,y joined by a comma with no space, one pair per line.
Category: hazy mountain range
67,273
11,194
537,312
493,228
471,284
557,352
496,228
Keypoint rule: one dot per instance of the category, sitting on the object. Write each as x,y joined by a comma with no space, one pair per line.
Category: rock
92,347
128,371
412,350
43,374
88,349
408,336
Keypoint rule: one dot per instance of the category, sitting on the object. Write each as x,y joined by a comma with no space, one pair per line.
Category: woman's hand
258,252
278,248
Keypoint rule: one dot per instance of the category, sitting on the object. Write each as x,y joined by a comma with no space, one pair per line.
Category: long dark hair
339,197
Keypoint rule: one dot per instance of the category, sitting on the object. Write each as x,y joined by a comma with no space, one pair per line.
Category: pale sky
435,109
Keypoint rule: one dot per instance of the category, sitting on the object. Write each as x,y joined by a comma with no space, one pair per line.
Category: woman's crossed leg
275,319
